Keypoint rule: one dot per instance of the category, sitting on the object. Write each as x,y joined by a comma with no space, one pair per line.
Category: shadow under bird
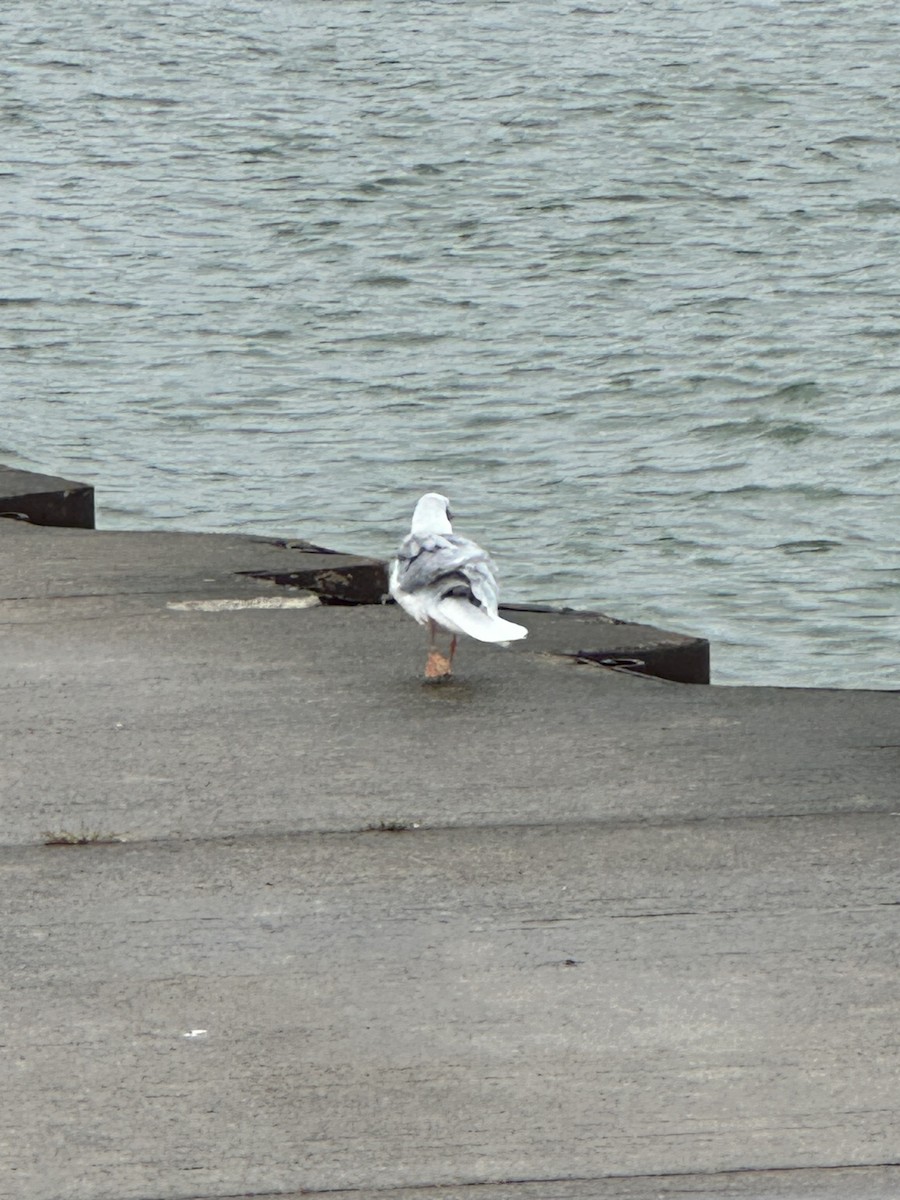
447,582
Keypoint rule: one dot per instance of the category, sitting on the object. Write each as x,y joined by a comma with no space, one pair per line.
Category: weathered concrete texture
861,1183
45,499
596,637
451,1006
854,1183
546,922
338,578
56,563
320,715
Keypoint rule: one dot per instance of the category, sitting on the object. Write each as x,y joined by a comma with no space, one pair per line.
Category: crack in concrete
528,1181
423,829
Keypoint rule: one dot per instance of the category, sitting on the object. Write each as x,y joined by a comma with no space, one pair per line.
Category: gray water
620,278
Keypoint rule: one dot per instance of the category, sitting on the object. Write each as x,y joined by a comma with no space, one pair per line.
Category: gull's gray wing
449,565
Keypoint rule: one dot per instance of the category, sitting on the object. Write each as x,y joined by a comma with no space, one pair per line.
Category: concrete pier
45,499
280,919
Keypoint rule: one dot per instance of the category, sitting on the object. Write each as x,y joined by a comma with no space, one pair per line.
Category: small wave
813,546
803,389
882,206
385,280
811,491
622,197
254,153
706,469
788,432
881,334
862,139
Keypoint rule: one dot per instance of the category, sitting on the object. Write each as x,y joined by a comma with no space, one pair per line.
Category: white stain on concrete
257,602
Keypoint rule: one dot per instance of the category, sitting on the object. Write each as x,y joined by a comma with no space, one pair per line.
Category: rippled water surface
623,279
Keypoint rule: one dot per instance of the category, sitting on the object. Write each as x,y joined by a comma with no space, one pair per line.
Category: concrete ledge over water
280,919
167,561
45,499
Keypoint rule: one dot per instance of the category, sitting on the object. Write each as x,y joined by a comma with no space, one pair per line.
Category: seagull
447,582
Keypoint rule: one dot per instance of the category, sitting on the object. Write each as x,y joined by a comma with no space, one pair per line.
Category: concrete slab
855,1183
45,499
137,719
596,637
51,562
445,1007
547,930
55,563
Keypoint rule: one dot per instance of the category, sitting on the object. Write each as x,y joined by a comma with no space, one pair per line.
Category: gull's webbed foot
437,666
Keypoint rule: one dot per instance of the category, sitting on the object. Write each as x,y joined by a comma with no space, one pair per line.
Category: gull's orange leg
437,666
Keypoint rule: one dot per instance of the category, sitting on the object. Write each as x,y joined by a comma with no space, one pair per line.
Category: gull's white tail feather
461,616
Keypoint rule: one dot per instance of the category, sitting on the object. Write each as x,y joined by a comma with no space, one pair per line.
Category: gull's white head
432,515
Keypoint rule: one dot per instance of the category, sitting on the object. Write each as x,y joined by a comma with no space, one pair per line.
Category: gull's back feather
449,579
